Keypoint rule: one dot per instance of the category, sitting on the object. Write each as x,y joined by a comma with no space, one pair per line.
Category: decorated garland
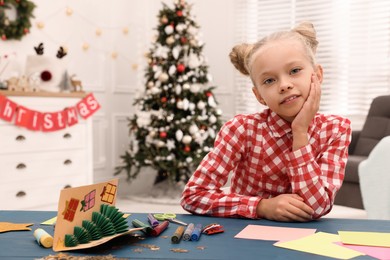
17,28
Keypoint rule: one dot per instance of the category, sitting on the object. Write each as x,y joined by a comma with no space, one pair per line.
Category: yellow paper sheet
320,243
365,238
50,222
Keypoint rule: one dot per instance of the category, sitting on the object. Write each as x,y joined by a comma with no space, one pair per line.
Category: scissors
171,217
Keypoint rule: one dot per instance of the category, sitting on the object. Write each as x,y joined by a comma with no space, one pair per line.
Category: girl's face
281,71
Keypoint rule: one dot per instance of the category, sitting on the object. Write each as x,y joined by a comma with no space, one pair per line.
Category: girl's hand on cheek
309,108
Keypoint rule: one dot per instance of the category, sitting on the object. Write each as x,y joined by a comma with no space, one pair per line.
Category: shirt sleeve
318,177
203,194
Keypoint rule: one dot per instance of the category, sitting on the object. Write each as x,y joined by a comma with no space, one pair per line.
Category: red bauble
179,13
183,40
26,31
180,68
164,99
209,94
46,75
187,149
163,134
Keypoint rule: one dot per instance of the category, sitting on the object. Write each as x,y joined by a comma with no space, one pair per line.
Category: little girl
287,162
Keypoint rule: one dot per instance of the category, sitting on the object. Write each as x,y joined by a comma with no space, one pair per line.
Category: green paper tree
178,117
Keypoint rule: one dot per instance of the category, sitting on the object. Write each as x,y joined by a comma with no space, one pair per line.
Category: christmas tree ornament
201,105
170,40
179,135
163,77
180,68
186,139
168,30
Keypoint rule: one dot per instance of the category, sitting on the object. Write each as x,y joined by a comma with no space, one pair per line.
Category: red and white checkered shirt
257,149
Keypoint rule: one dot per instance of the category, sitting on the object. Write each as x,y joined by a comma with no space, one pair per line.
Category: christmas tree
178,117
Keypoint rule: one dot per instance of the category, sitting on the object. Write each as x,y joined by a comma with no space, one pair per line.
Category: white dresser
36,165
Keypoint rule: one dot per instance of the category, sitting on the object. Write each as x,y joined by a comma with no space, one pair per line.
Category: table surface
22,244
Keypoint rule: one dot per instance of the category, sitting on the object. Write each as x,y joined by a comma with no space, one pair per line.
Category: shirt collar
278,126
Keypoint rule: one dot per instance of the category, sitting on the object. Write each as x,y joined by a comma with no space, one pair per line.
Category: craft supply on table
171,217
188,232
146,228
160,228
196,232
153,222
43,238
213,228
177,235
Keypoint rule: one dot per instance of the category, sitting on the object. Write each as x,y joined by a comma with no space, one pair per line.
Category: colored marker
188,232
153,222
160,228
196,232
43,238
177,235
147,229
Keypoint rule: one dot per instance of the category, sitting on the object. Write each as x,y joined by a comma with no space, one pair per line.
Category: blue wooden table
22,244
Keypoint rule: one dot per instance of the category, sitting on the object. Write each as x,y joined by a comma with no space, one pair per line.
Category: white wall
115,81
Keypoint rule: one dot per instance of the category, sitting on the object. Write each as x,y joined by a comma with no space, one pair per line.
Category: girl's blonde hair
241,54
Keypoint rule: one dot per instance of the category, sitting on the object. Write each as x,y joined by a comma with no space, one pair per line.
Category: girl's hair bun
239,57
307,31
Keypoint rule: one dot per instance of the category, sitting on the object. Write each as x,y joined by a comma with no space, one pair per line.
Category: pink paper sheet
273,233
382,253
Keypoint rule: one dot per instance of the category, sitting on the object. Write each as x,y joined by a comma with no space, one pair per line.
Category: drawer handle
20,138
67,136
20,194
21,166
67,186
68,162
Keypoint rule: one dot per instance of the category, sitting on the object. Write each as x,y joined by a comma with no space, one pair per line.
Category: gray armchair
376,127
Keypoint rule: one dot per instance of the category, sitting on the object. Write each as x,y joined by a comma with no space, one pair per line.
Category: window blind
354,42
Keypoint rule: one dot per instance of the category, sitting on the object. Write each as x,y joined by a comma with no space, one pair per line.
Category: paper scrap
50,222
273,233
8,226
365,238
320,243
381,253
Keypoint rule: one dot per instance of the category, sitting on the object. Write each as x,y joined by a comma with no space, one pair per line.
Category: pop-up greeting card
87,217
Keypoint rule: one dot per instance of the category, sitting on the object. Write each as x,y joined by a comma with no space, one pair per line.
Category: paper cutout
273,233
381,253
70,214
320,243
365,238
47,121
50,222
8,226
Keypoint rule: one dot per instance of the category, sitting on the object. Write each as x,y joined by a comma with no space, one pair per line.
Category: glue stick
43,238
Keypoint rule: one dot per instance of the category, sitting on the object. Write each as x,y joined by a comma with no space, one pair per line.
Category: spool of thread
196,232
43,238
153,222
188,232
177,235
146,228
160,228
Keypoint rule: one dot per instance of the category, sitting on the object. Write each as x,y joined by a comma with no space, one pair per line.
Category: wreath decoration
17,28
